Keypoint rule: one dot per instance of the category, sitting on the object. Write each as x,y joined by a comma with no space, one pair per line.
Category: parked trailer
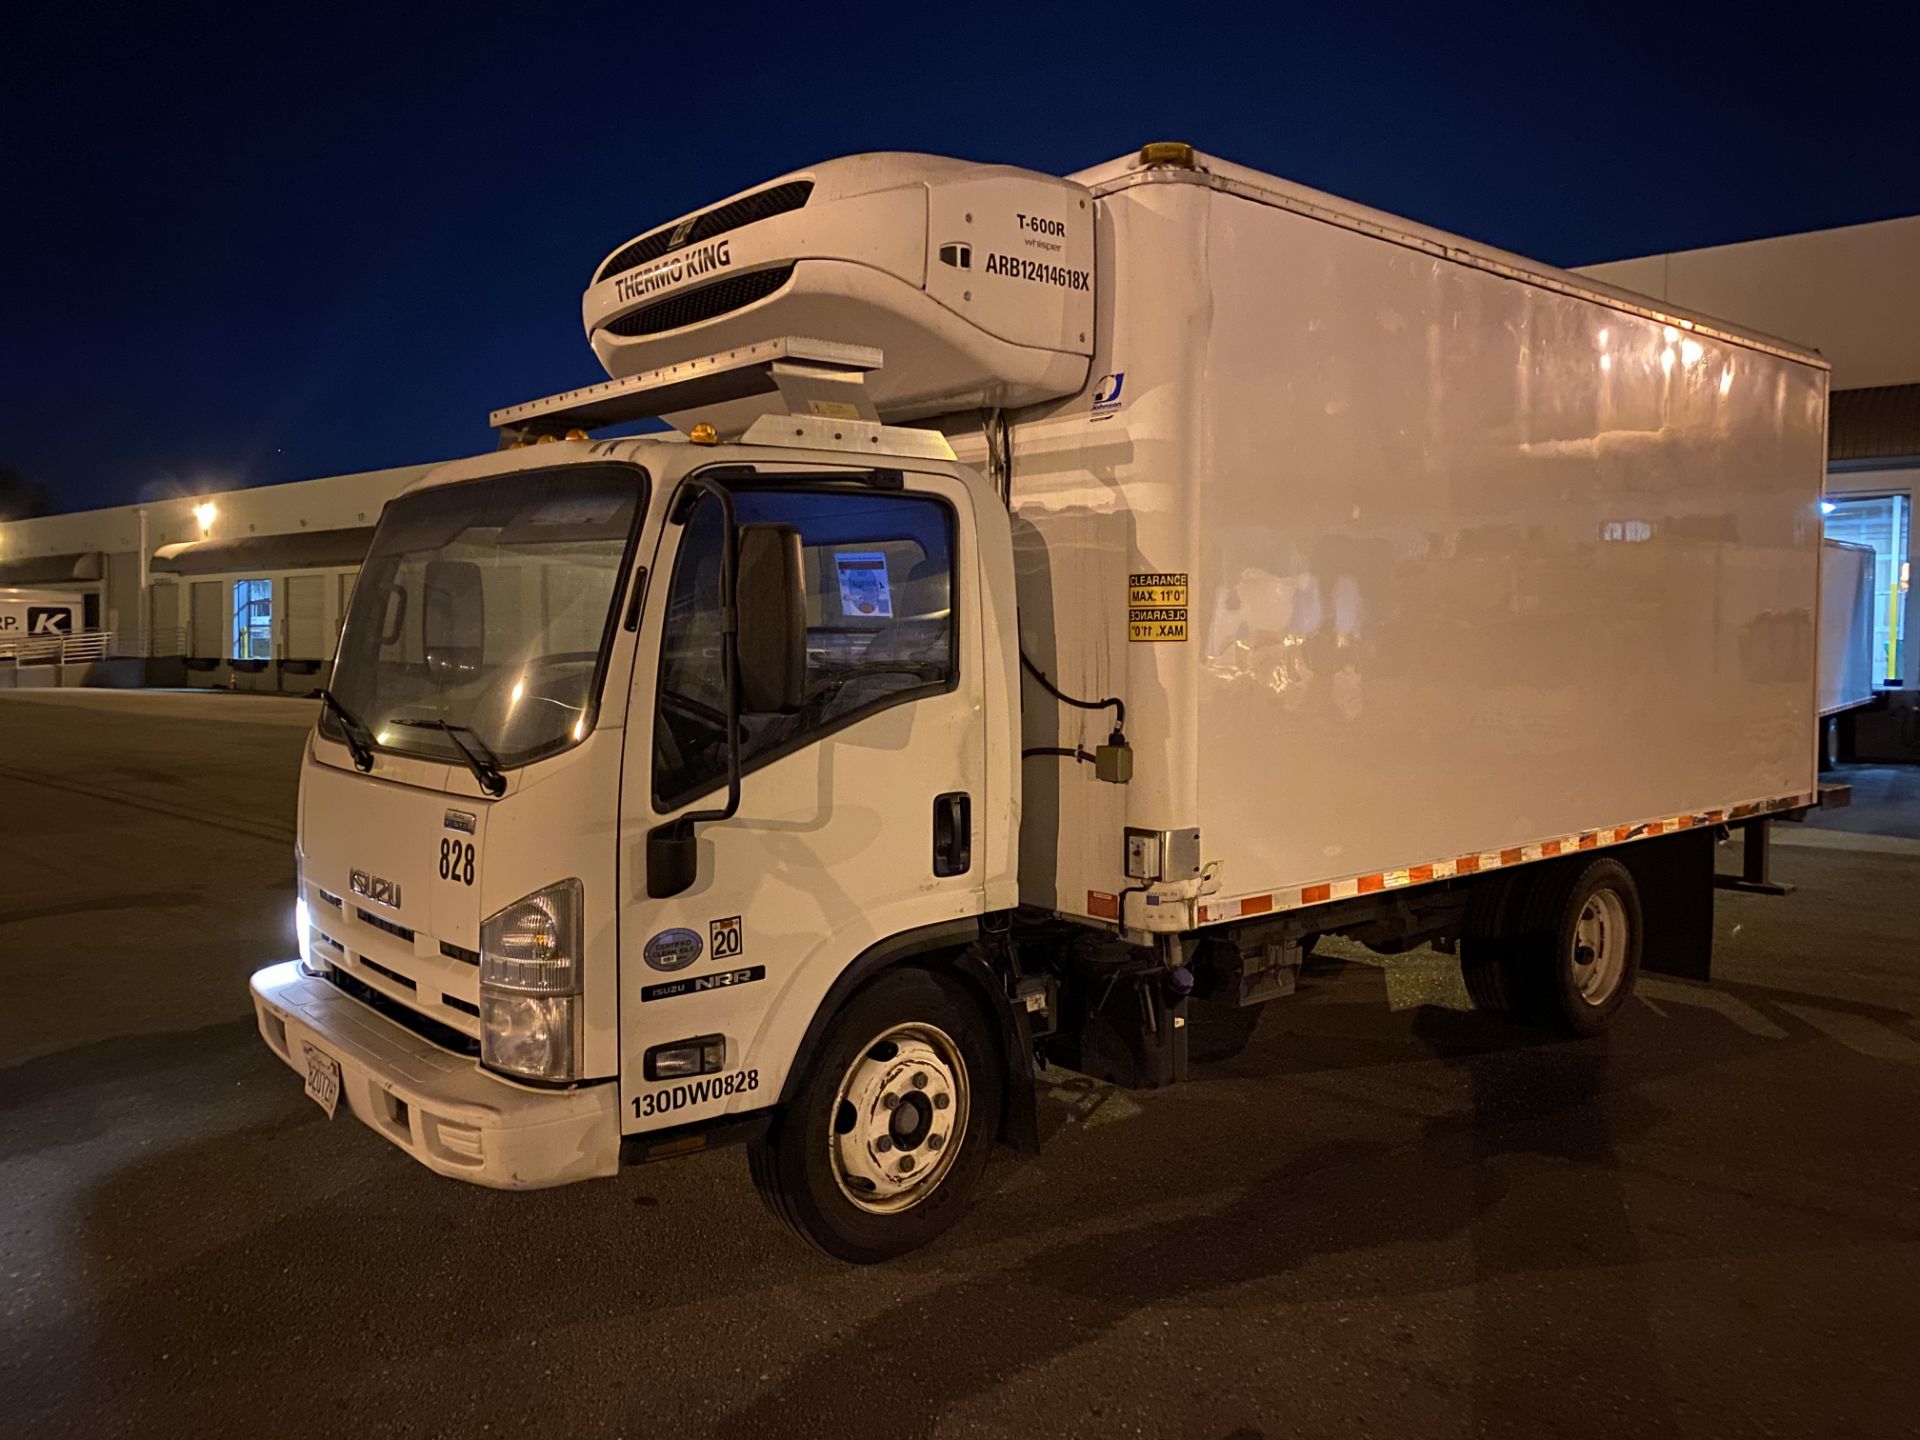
1255,567
1846,627
33,622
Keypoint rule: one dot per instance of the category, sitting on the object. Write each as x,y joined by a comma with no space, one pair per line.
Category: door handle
952,833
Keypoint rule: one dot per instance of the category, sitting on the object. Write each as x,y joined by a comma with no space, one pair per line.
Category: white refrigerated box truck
1059,603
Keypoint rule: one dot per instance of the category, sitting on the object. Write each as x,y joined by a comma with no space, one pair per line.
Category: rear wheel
879,1151
1486,945
1559,948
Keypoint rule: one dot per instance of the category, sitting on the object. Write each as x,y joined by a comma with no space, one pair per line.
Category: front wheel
879,1151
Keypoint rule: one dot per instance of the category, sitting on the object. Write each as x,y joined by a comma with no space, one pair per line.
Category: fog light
702,1055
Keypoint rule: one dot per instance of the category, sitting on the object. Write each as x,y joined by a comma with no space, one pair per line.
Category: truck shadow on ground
1248,1237
1216,1195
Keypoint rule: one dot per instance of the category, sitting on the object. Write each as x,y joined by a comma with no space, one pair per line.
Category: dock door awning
299,550
82,565
1881,422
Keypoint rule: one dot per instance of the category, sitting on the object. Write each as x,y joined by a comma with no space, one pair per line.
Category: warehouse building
243,589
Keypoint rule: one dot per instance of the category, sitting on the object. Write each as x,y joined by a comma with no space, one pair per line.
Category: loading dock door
306,635
209,622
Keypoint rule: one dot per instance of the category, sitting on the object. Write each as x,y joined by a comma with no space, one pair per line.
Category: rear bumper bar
442,1109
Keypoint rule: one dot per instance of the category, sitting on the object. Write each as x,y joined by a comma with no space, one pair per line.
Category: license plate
323,1079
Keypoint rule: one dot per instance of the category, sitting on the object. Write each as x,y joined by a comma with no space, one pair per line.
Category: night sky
240,248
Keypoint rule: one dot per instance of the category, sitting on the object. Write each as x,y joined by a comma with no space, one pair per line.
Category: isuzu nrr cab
1055,605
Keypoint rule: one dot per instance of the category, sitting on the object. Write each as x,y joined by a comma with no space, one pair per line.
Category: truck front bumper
441,1108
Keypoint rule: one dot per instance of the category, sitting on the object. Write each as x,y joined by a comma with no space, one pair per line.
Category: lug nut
883,1144
942,1100
920,1080
934,1142
887,1102
906,1164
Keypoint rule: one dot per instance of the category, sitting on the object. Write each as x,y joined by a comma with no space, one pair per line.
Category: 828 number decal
456,861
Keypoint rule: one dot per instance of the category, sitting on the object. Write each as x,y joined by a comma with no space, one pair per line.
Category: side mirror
453,620
673,859
772,612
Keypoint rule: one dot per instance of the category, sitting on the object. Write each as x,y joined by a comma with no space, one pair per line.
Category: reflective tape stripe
1213,912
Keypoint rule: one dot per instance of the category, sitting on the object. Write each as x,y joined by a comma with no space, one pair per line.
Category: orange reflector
1103,906
1511,857
1419,874
1589,840
1314,894
1550,847
1466,865
1370,883
1256,905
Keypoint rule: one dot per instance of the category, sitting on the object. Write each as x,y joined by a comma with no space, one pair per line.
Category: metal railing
75,648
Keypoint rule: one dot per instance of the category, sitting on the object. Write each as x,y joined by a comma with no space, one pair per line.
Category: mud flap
1675,878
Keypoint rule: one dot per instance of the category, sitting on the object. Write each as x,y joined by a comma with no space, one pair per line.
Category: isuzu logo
380,892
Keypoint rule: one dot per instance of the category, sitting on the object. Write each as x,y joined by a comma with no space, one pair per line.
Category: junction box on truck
1254,567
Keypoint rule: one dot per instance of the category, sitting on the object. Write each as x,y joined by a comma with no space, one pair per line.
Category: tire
1572,911
1486,944
880,1149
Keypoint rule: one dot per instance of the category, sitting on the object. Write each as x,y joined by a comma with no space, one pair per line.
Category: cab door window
878,571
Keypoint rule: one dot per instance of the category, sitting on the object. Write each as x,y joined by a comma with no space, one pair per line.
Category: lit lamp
204,513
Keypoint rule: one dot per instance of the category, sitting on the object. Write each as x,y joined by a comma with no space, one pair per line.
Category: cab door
857,812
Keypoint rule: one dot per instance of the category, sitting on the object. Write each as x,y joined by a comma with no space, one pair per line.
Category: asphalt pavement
1386,1216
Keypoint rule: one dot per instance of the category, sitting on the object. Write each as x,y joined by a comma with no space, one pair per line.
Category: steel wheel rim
898,1119
1600,946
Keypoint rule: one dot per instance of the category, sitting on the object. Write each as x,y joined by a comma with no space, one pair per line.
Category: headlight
530,985
302,921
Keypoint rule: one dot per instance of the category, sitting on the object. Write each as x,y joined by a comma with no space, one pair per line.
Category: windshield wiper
357,734
485,768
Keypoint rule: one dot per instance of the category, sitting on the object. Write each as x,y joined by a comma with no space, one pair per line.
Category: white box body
1478,554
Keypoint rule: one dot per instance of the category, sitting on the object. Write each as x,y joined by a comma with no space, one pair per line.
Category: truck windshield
488,605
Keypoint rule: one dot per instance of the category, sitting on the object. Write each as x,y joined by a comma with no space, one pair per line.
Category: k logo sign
49,620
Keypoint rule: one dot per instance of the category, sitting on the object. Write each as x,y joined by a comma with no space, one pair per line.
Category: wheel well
952,949
920,945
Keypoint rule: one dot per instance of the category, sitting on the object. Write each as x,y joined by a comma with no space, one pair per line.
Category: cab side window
879,576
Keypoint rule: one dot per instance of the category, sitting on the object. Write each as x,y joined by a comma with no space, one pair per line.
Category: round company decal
672,949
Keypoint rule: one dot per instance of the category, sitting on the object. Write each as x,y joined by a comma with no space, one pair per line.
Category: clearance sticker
1157,606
